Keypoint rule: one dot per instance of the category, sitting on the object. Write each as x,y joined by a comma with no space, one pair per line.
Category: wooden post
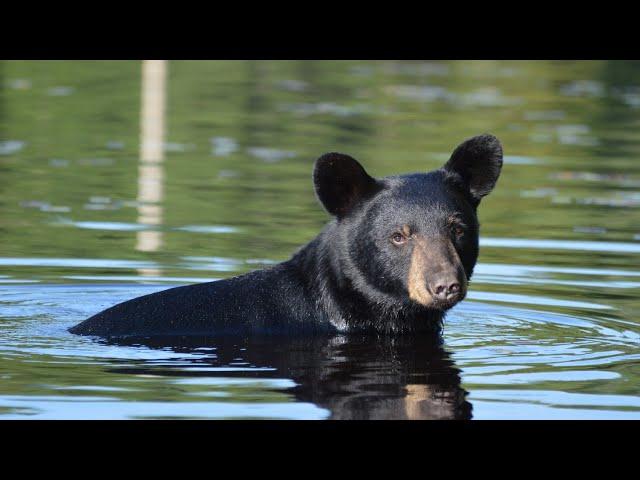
150,169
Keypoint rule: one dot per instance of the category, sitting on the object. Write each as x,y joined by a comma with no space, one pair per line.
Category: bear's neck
331,287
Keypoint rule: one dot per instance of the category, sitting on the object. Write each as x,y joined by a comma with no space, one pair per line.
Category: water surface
550,328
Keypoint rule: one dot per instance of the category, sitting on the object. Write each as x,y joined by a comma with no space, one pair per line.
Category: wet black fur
350,277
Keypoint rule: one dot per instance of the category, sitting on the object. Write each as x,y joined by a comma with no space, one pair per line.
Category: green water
550,328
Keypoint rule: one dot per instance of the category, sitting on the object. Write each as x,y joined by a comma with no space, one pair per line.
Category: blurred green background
569,131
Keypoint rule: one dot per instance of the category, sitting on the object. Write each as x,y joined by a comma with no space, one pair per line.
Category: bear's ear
477,161
341,182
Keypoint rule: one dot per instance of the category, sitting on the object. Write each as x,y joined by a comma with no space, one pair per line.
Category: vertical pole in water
150,170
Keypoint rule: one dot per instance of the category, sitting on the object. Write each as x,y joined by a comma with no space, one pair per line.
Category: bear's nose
445,289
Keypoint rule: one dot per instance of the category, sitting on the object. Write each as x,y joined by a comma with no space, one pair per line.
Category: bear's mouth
425,298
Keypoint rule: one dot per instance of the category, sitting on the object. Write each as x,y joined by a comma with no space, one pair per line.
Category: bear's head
409,240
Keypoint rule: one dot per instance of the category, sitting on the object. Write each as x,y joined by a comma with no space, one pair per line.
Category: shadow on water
355,377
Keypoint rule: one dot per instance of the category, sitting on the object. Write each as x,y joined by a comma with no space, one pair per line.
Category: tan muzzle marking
416,283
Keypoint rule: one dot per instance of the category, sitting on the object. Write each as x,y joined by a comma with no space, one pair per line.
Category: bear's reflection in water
358,377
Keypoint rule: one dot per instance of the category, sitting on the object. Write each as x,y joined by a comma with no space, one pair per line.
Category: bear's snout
436,277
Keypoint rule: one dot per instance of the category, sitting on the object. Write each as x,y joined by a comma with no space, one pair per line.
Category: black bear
398,253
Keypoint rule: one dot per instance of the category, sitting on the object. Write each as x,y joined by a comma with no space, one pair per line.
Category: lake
551,325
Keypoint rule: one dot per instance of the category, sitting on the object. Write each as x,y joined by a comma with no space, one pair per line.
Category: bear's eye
457,230
398,238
